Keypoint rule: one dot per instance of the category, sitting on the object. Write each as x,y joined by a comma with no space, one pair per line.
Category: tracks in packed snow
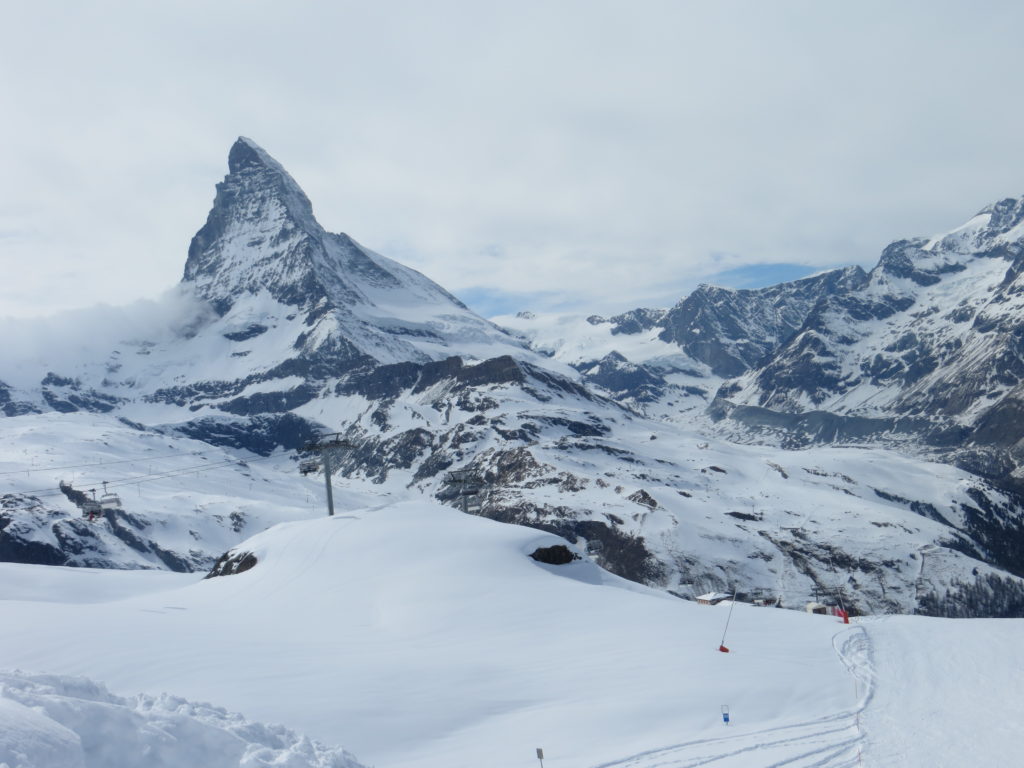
834,741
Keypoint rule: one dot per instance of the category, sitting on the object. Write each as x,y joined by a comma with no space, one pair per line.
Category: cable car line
152,475
105,463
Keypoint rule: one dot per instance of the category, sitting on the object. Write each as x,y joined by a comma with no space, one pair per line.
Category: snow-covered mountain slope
733,330
281,331
623,357
668,363
669,507
682,512
261,236
182,501
421,637
70,722
272,311
929,348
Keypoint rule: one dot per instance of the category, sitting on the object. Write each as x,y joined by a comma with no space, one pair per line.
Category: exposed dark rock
559,554
624,380
231,563
260,434
53,380
745,516
250,332
78,498
637,321
643,498
271,402
17,546
731,331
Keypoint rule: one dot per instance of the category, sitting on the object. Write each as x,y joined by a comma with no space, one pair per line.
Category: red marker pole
721,646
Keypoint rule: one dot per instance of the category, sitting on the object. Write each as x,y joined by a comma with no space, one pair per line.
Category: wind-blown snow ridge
48,721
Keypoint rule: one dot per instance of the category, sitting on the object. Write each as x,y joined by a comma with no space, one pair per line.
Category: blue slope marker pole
725,714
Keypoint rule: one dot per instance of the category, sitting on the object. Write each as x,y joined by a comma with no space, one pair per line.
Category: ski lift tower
469,489
331,448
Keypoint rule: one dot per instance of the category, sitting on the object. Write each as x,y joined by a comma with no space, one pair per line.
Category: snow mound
73,722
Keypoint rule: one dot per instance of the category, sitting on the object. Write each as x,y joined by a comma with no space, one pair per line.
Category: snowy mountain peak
245,153
1005,215
260,233
249,160
986,233
262,259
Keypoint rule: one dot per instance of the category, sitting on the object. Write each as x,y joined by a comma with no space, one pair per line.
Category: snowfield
419,637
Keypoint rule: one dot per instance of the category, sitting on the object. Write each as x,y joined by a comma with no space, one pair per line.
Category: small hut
712,598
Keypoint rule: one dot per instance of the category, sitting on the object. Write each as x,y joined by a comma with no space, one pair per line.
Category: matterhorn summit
262,251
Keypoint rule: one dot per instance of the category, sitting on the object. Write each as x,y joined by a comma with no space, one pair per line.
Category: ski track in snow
833,741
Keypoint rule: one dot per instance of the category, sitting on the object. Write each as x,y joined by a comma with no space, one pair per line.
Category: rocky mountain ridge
596,429
928,348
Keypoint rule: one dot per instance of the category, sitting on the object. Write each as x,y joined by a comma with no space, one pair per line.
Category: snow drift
71,722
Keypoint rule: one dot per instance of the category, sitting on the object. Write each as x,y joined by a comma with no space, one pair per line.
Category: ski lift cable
34,468
189,470
153,476
184,471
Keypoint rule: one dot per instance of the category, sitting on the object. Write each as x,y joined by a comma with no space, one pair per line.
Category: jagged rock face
933,339
358,307
637,320
261,235
626,381
232,563
718,332
11,407
733,330
32,531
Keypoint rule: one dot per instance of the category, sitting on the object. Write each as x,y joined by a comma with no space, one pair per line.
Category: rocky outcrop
558,554
231,563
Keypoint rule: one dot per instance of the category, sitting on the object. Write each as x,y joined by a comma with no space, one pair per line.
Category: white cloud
602,150
81,337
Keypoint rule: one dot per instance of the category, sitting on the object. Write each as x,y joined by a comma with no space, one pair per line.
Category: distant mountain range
852,434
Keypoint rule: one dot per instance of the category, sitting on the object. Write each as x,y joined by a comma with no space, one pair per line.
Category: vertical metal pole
727,620
327,480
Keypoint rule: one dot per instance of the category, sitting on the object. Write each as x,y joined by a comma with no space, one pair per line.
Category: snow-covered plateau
851,439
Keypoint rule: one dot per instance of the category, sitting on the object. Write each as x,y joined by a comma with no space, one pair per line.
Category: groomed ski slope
415,636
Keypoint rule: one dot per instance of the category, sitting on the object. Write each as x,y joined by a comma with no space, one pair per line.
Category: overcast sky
579,156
